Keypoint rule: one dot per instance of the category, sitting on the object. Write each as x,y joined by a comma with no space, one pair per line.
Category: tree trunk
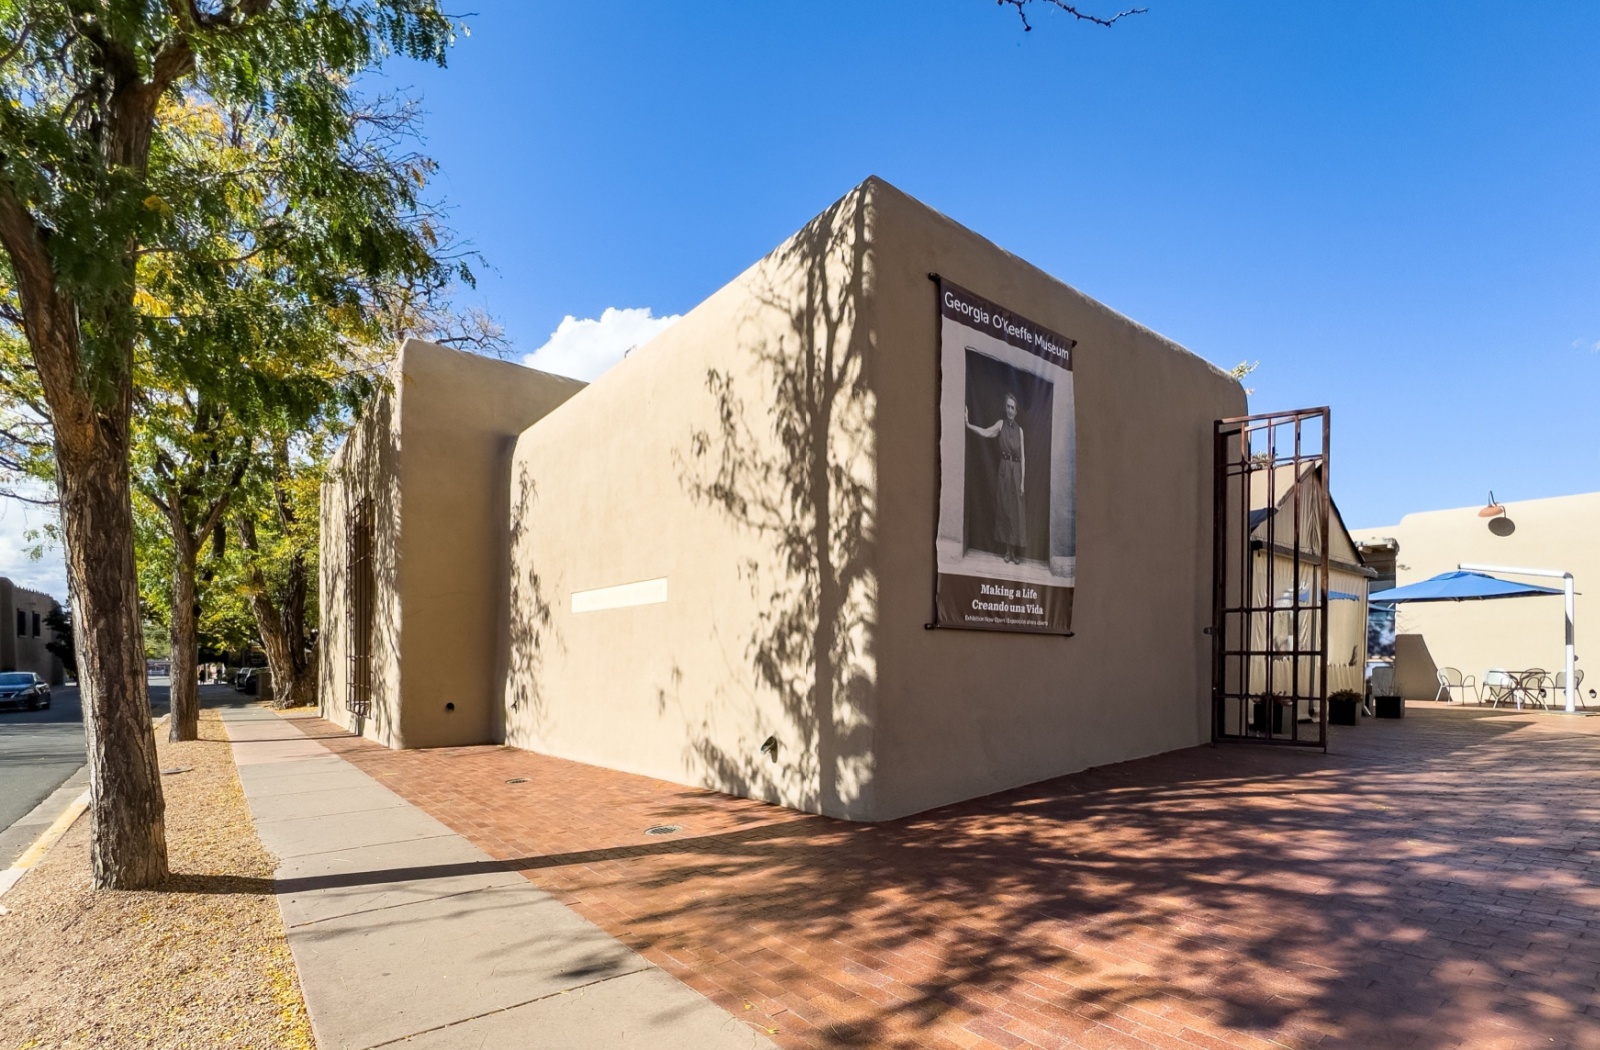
185,677
90,400
291,684
292,662
127,845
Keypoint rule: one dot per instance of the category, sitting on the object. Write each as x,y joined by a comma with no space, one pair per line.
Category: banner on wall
1007,538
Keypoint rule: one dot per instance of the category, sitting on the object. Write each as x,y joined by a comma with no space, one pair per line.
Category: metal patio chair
1577,688
1498,687
1450,680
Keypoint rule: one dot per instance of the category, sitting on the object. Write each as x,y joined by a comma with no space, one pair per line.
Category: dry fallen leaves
199,963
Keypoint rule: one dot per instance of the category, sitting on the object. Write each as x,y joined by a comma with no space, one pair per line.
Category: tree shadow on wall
790,458
528,618
369,474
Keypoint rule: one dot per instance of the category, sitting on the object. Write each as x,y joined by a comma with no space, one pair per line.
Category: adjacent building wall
24,633
1513,633
723,550
433,456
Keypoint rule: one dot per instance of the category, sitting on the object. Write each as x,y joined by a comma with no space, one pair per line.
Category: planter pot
1258,716
1342,712
1390,706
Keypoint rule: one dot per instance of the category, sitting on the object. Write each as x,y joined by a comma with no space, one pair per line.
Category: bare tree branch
1072,9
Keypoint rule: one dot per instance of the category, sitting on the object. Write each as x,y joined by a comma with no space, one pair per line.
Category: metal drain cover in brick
663,829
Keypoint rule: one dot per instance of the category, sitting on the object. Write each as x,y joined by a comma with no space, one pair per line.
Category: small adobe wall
432,456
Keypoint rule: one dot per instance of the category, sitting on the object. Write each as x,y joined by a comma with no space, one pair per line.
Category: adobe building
1510,634
893,519
25,632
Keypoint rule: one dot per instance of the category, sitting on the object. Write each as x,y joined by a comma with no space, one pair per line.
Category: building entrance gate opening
1269,624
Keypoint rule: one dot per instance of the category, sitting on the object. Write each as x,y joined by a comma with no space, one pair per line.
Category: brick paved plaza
1432,882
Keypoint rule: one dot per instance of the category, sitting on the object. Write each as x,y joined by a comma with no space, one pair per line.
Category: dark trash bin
1390,706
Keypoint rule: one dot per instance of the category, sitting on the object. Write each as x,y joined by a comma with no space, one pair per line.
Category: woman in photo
1010,524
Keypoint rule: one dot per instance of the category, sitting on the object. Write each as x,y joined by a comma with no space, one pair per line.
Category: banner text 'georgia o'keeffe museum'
1006,537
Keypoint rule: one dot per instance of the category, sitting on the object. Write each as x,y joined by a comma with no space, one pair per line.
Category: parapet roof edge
876,181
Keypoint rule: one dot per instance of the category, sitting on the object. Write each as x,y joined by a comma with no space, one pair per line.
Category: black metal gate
1269,624
361,585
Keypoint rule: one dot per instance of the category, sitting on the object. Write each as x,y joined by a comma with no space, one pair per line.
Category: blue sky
1395,208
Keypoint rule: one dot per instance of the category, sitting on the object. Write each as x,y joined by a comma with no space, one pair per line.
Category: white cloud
585,348
47,574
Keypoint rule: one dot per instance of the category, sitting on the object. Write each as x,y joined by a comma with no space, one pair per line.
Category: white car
23,689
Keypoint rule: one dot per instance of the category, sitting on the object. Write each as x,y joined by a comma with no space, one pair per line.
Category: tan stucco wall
1515,633
674,465
966,713
773,457
460,415
441,436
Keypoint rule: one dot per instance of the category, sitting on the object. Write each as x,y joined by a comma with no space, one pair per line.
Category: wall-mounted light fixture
1500,522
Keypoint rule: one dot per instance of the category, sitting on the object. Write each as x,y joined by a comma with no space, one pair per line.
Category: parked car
23,689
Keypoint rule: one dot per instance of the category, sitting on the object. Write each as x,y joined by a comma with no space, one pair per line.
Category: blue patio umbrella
1333,596
1458,587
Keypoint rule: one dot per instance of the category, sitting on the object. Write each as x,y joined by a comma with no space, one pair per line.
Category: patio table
1530,685
1516,686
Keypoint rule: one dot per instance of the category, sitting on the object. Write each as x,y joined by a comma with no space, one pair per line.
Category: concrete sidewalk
404,932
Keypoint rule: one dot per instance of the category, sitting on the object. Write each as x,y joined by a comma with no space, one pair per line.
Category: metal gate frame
1251,455
360,588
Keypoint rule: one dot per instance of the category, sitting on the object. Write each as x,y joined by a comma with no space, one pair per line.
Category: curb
51,835
41,845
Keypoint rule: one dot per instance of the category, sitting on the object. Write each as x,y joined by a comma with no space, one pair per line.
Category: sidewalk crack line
503,1009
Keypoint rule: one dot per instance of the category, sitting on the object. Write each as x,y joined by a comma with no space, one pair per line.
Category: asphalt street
39,752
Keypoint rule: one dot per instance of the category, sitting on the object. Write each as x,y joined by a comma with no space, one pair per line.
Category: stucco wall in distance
1514,633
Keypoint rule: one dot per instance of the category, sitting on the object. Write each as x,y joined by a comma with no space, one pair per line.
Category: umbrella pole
1571,656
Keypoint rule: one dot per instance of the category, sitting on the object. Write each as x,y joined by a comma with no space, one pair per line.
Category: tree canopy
101,104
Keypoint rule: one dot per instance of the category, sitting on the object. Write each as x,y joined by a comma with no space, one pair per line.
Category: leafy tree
277,558
84,86
59,620
267,325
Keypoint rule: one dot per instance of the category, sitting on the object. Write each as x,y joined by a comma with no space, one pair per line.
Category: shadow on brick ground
1431,883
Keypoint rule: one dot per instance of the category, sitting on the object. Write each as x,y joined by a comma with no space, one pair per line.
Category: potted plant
1342,705
1274,703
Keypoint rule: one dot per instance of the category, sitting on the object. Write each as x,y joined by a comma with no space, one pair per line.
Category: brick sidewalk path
1434,882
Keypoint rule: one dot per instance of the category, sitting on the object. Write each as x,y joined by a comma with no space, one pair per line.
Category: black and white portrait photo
1008,456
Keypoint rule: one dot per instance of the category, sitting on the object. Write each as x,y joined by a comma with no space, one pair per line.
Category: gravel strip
200,963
